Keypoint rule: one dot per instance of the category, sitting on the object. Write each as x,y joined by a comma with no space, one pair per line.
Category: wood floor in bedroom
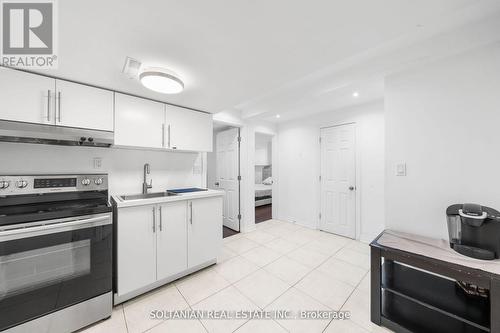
263,213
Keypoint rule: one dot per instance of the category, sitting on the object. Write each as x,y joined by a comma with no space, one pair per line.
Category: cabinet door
26,97
172,239
204,230
82,106
139,122
136,244
189,130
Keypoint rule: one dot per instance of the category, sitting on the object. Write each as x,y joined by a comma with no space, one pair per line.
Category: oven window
29,270
49,272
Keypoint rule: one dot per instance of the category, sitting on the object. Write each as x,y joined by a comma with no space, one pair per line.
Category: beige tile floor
279,266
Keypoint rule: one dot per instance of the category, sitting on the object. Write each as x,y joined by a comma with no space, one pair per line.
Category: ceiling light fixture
161,80
278,116
355,94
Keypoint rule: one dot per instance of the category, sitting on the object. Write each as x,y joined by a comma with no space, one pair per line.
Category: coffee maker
474,230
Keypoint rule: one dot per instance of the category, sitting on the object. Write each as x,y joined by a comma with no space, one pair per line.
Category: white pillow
268,181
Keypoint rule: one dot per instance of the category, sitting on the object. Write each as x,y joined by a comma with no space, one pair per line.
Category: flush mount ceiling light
355,94
278,116
161,80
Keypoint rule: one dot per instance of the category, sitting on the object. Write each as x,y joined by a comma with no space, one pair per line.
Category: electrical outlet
97,163
401,169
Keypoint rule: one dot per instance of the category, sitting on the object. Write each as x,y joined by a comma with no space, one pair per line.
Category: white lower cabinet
171,239
204,230
136,245
162,242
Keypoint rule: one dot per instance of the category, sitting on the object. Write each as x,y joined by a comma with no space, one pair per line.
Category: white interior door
227,155
338,180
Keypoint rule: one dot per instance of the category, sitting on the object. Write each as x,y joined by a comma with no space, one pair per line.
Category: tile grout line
357,286
350,294
190,307
124,317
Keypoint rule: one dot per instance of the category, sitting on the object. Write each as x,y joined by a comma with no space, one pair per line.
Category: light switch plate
401,169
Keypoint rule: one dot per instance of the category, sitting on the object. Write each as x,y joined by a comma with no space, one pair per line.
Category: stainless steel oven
55,252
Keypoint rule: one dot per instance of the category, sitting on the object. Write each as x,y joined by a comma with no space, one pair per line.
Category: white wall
443,120
299,165
125,167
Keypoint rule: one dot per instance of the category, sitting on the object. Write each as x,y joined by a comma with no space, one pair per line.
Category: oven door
46,266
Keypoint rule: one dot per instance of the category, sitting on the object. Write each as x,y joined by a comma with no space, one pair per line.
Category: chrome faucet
145,185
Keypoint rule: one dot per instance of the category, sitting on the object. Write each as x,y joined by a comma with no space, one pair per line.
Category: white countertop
152,201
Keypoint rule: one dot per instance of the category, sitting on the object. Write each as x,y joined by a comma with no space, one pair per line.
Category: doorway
338,180
263,177
223,173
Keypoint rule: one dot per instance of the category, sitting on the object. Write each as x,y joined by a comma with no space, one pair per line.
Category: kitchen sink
147,196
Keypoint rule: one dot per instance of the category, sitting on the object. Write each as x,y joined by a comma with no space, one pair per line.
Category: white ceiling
260,57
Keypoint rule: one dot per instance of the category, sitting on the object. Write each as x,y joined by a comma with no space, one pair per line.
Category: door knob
351,188
217,184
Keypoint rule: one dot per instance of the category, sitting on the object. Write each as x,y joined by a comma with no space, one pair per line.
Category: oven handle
54,226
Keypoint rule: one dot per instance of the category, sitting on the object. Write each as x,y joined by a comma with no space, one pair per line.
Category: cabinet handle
168,136
163,135
154,220
48,104
59,104
161,221
191,212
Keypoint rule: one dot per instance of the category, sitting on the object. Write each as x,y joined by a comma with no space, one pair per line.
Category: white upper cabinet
136,122
188,130
26,97
139,122
82,106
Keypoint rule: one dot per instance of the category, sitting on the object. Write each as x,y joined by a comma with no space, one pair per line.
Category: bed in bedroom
263,194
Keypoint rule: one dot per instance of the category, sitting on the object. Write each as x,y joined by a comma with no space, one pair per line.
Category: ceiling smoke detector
161,80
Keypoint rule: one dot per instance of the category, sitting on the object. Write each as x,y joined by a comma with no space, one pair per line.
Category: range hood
13,131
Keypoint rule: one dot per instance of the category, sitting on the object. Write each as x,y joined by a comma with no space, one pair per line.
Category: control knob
85,181
98,181
21,183
4,184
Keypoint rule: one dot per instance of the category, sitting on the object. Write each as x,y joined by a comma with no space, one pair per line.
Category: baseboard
117,299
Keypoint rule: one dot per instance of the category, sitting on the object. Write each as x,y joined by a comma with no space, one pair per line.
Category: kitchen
180,232
233,166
